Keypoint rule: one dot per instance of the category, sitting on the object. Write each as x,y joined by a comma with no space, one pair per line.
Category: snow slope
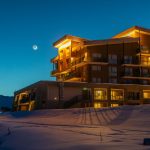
108,128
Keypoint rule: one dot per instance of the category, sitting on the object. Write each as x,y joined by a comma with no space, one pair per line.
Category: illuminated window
61,54
97,105
117,94
144,49
145,60
146,94
100,93
114,105
67,50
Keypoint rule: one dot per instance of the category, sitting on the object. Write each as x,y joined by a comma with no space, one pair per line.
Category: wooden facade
113,72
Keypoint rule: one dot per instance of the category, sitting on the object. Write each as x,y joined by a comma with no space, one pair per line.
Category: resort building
105,73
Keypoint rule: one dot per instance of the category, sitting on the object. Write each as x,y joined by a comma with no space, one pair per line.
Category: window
94,79
112,71
128,71
114,105
96,68
99,80
117,94
145,60
100,94
61,54
96,55
144,49
112,59
146,94
145,82
127,59
133,95
97,105
67,52
145,72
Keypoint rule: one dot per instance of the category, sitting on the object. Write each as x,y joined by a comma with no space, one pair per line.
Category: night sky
24,23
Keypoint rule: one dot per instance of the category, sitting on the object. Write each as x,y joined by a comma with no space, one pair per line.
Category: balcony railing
143,50
134,61
99,59
77,61
54,59
72,75
135,74
54,72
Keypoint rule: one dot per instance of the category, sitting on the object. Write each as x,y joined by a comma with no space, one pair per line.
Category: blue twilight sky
27,22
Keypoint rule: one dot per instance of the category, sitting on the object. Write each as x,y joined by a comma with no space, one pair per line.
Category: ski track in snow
108,128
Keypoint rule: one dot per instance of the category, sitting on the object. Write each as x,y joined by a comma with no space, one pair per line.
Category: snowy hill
6,101
73,129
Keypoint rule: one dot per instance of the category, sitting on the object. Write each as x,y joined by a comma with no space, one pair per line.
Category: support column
109,96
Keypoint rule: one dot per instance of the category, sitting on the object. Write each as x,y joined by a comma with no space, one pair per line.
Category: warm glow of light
117,94
146,93
114,105
85,58
97,105
100,93
130,34
72,59
63,44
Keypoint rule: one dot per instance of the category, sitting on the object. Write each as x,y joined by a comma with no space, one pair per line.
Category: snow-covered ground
122,128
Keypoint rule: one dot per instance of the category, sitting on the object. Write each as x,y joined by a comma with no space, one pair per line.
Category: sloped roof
68,37
129,30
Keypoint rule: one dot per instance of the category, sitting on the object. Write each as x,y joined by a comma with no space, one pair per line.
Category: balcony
99,60
54,72
143,51
72,76
135,75
130,73
78,61
128,62
55,59
145,75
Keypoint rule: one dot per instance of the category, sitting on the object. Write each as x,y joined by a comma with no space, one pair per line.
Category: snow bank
108,128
